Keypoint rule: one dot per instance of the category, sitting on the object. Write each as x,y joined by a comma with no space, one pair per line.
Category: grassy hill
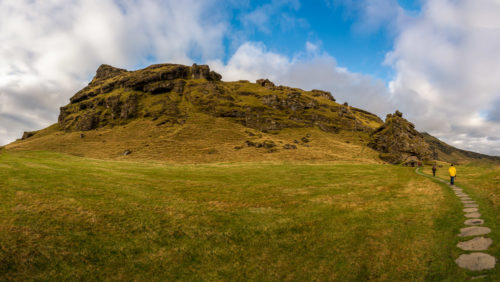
184,114
445,152
202,138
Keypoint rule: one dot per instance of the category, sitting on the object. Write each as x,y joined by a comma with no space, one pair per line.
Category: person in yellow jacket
453,173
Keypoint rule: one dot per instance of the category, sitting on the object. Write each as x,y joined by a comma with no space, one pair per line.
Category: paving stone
476,261
471,205
468,202
471,210
463,196
475,244
474,221
473,215
473,231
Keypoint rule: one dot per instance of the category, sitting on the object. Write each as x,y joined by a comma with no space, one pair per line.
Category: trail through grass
64,217
482,182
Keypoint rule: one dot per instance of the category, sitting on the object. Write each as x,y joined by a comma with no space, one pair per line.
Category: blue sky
333,25
435,60
329,26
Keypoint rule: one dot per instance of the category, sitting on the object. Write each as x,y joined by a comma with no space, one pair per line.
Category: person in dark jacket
434,170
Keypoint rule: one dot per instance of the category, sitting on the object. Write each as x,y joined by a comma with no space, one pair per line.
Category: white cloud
447,67
445,57
310,69
50,49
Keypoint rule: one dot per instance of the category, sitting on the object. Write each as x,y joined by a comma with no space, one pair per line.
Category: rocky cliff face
169,93
398,141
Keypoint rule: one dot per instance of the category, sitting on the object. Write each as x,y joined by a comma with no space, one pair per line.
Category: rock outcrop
168,92
397,140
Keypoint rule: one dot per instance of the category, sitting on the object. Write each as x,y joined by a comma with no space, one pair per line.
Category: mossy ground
71,218
202,139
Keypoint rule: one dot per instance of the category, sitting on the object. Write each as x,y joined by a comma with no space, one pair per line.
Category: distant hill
187,114
445,152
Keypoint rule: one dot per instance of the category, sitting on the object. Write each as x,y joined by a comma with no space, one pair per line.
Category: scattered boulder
289,146
250,143
127,152
268,144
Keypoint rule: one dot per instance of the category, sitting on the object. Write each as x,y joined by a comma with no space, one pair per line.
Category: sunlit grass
65,217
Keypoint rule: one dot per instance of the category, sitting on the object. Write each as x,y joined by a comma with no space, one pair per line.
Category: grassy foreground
482,182
64,217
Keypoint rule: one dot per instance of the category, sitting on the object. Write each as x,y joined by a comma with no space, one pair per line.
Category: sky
437,61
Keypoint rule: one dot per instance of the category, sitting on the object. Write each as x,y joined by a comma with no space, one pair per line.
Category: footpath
473,234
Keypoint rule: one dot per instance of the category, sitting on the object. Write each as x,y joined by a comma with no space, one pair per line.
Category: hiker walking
453,173
434,170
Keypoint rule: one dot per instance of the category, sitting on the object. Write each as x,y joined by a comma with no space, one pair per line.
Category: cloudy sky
437,61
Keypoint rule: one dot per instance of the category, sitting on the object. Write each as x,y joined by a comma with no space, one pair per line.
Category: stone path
473,233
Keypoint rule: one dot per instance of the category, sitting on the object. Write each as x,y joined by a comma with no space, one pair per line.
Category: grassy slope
201,139
481,180
65,217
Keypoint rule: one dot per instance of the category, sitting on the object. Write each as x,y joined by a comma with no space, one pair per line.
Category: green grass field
70,218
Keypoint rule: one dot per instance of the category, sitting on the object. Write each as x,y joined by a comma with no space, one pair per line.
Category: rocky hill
397,140
177,112
168,93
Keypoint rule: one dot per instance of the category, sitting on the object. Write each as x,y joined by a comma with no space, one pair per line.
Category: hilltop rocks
265,83
107,71
155,79
112,95
397,140
203,72
323,94
170,93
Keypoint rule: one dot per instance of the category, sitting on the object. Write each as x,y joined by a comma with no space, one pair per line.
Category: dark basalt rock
27,134
116,96
265,83
397,141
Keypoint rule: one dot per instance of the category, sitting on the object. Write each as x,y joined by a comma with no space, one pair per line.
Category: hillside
178,113
445,152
